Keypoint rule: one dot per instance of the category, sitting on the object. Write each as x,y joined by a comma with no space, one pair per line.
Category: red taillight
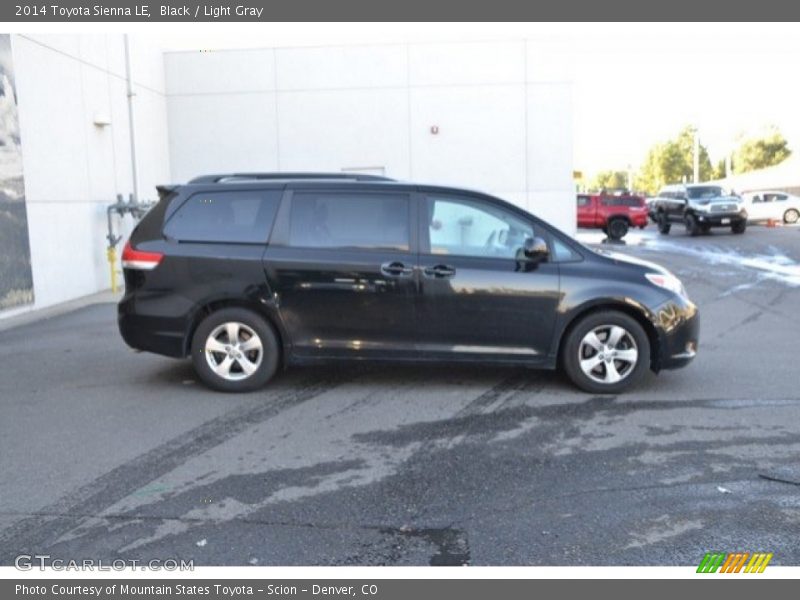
136,259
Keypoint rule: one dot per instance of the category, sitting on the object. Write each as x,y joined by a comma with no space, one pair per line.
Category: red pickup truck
614,214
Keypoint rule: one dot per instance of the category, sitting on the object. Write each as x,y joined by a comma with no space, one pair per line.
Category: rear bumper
678,326
148,332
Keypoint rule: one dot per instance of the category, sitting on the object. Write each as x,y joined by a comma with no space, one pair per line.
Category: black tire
663,224
572,349
705,228
237,380
692,226
739,226
791,216
617,229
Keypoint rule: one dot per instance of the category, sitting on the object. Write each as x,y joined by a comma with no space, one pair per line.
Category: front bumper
713,219
678,326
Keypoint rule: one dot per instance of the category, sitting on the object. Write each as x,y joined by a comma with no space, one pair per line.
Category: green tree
719,170
759,152
610,180
673,162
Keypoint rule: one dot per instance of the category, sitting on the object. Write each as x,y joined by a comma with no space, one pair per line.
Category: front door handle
396,269
440,271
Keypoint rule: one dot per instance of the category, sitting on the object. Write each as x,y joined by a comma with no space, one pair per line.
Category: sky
633,84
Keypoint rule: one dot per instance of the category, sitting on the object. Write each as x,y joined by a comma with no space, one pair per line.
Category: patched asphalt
107,453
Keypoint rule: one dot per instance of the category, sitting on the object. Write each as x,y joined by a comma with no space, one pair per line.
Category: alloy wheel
234,351
608,354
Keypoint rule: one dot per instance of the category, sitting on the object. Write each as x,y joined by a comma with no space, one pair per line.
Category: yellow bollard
112,263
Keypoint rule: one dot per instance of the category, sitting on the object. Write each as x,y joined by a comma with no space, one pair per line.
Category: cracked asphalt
106,453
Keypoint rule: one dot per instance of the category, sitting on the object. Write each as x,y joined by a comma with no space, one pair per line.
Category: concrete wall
503,111
74,169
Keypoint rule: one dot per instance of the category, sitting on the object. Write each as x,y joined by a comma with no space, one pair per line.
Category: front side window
466,227
348,220
239,217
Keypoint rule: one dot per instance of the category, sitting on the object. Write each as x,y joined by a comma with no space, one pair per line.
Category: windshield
704,192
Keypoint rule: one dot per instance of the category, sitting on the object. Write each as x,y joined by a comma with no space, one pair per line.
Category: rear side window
347,220
241,217
583,200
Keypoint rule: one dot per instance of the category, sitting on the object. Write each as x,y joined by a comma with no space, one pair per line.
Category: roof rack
233,177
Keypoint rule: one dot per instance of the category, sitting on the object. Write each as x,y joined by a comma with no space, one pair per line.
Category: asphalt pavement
107,453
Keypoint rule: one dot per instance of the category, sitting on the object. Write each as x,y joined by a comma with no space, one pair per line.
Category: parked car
698,207
248,273
614,214
772,205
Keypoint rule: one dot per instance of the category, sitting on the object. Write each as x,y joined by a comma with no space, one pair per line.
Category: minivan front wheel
235,350
606,352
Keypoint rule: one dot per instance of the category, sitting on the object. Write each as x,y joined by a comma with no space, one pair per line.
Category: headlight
667,281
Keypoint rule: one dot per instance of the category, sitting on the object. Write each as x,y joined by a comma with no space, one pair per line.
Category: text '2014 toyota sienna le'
247,272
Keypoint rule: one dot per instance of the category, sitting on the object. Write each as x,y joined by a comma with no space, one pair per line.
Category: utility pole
696,156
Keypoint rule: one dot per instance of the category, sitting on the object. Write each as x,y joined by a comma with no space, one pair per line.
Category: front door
342,270
479,295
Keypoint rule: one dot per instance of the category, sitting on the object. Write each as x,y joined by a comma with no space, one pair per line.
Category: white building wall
503,112
74,169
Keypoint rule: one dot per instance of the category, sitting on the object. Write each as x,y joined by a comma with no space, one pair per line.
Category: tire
233,361
617,229
705,228
692,226
663,224
791,216
579,353
739,227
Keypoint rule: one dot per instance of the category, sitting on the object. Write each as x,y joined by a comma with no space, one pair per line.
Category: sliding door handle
440,271
396,269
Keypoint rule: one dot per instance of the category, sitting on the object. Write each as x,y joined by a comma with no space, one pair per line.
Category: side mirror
536,249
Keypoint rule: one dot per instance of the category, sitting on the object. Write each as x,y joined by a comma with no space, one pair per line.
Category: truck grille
723,208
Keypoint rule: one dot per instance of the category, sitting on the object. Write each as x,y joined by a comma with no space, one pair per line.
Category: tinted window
466,227
706,191
240,216
621,201
341,220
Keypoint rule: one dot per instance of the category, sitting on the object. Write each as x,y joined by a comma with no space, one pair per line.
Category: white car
770,204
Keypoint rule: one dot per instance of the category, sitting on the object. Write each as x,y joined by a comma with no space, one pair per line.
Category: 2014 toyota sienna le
248,272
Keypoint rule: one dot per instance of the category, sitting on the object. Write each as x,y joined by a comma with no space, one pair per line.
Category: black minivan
248,272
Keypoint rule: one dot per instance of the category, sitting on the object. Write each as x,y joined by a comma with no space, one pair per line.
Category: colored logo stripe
733,562
711,562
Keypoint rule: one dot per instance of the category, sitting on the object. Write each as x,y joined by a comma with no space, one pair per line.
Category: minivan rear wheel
235,350
606,352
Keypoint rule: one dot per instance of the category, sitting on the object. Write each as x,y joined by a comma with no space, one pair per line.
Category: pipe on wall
131,122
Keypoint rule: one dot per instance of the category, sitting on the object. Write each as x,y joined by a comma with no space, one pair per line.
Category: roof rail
232,177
